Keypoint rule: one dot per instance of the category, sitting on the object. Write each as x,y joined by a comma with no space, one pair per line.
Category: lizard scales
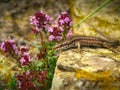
86,41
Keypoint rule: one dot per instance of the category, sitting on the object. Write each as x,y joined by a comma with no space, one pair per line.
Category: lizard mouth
60,46
56,46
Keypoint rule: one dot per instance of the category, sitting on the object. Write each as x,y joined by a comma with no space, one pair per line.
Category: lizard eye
65,47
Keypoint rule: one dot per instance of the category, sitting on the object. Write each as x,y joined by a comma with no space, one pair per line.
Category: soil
14,17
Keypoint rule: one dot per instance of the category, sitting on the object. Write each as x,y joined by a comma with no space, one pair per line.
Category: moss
104,79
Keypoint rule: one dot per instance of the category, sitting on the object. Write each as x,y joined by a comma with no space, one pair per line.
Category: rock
105,20
92,69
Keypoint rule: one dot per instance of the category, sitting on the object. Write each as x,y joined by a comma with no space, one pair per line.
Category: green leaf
12,84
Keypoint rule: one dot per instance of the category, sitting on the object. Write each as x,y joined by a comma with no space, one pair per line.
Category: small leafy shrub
39,69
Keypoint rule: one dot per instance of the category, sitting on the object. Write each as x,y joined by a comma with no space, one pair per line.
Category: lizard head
61,46
65,45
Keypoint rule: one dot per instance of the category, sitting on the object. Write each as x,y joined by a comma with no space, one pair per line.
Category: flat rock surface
90,69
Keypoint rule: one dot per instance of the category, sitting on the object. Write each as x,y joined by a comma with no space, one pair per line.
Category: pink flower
56,34
51,37
19,84
61,22
40,21
25,60
33,20
50,29
58,38
67,19
9,47
65,22
25,81
69,34
32,80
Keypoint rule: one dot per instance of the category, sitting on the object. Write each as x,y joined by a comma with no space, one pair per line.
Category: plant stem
41,37
93,12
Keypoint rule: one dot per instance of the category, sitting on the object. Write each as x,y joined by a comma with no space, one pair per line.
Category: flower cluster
32,80
21,54
8,46
40,21
55,33
41,24
65,21
61,29
25,56
25,59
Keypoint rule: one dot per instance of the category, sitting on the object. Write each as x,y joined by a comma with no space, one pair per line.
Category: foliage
38,68
12,84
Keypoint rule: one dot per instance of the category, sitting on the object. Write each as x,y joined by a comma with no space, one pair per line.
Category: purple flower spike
40,21
65,22
25,60
9,47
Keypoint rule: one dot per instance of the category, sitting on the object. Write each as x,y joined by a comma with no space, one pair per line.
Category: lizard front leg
78,47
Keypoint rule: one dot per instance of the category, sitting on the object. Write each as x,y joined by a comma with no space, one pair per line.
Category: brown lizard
87,41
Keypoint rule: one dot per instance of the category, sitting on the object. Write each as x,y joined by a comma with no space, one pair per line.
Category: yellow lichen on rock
104,79
107,23
92,75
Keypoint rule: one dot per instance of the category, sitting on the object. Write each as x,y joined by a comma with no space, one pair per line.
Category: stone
105,20
92,69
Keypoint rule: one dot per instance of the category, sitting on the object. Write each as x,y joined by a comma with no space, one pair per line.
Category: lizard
87,41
